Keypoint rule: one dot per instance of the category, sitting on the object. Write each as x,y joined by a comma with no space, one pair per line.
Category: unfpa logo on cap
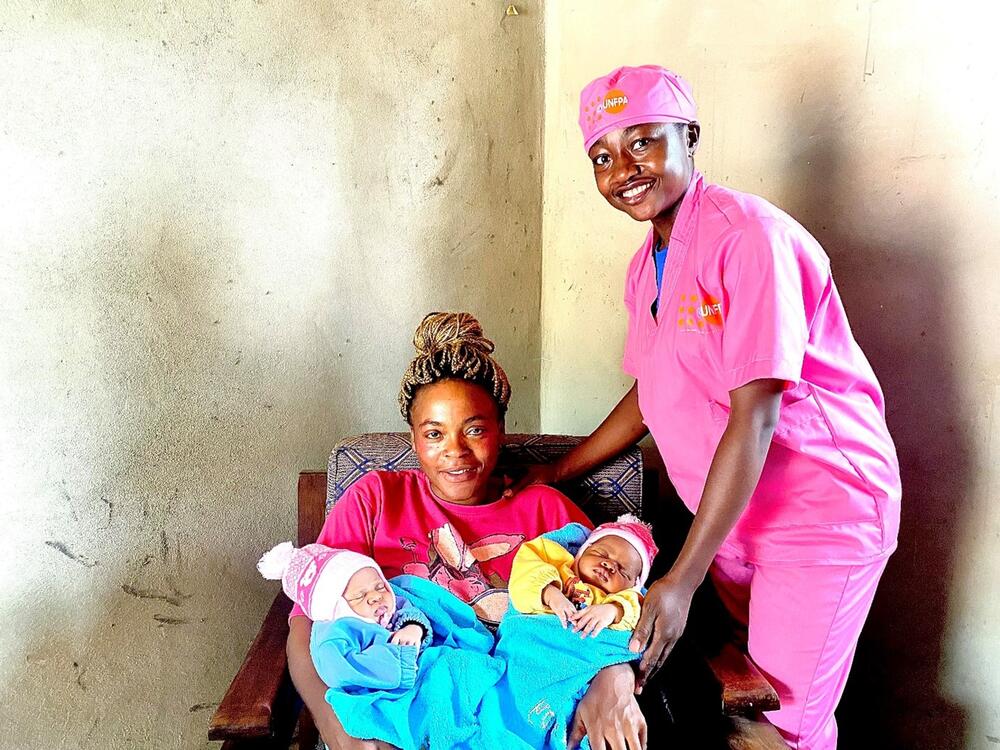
614,102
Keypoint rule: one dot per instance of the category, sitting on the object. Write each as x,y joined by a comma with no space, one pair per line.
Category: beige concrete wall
220,222
874,123
219,225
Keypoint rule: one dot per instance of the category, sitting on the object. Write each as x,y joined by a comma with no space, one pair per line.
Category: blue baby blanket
454,673
549,668
473,693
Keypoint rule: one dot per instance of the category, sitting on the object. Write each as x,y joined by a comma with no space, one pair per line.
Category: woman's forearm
732,478
622,428
616,676
307,682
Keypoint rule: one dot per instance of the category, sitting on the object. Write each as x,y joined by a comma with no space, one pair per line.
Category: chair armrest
744,689
251,705
746,734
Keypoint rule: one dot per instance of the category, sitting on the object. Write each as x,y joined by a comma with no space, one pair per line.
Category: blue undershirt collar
659,260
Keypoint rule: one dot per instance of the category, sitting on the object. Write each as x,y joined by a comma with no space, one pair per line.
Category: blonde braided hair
452,346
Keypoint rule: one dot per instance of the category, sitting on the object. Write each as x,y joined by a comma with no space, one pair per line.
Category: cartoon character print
454,565
579,593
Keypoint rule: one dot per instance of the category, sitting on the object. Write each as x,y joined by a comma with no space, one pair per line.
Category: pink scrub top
747,294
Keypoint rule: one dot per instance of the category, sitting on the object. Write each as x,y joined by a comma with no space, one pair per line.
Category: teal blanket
548,671
471,693
454,674
548,668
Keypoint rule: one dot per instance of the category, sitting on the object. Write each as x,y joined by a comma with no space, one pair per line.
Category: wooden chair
713,698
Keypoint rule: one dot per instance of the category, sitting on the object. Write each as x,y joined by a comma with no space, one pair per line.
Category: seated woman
450,522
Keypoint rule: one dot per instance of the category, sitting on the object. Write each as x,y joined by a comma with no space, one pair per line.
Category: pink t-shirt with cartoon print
394,518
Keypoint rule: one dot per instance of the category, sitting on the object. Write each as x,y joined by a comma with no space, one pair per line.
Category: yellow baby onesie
541,562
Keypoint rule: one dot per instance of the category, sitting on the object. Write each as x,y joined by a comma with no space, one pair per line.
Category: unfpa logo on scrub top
699,312
612,102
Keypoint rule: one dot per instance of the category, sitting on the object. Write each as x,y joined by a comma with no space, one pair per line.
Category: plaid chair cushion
604,494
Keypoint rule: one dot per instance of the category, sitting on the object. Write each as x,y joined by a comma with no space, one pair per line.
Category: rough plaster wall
219,225
874,124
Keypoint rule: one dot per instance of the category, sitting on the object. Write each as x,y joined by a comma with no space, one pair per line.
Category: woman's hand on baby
608,713
561,607
664,616
408,635
592,620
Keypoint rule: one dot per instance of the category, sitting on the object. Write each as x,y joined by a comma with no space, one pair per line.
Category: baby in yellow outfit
596,588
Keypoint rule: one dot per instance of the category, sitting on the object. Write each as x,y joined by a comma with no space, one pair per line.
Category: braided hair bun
452,346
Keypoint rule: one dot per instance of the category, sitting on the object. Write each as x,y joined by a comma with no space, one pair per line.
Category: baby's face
610,563
368,595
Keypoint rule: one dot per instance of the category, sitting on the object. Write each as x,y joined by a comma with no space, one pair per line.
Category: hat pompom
273,564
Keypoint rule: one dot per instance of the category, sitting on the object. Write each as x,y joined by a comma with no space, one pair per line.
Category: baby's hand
593,620
408,635
556,600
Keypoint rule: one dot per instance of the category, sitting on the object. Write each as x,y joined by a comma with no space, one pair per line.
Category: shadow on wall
895,287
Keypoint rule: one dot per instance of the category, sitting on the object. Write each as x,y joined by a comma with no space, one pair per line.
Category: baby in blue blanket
548,666
367,635
364,636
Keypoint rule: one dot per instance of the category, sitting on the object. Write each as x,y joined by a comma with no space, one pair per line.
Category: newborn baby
363,635
597,588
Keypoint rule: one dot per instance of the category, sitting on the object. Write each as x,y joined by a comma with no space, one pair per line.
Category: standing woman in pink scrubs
768,416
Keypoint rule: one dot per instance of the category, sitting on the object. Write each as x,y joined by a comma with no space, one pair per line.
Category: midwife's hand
408,635
592,620
664,615
535,474
556,600
608,713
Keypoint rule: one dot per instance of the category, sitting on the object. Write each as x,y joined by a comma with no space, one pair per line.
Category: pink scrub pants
802,627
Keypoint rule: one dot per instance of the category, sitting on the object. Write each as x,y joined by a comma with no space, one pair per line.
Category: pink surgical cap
632,96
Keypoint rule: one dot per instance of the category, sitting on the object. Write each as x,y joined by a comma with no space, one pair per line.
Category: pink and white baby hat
636,532
315,576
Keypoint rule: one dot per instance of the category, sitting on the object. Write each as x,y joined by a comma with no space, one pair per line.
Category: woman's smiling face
644,170
457,435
